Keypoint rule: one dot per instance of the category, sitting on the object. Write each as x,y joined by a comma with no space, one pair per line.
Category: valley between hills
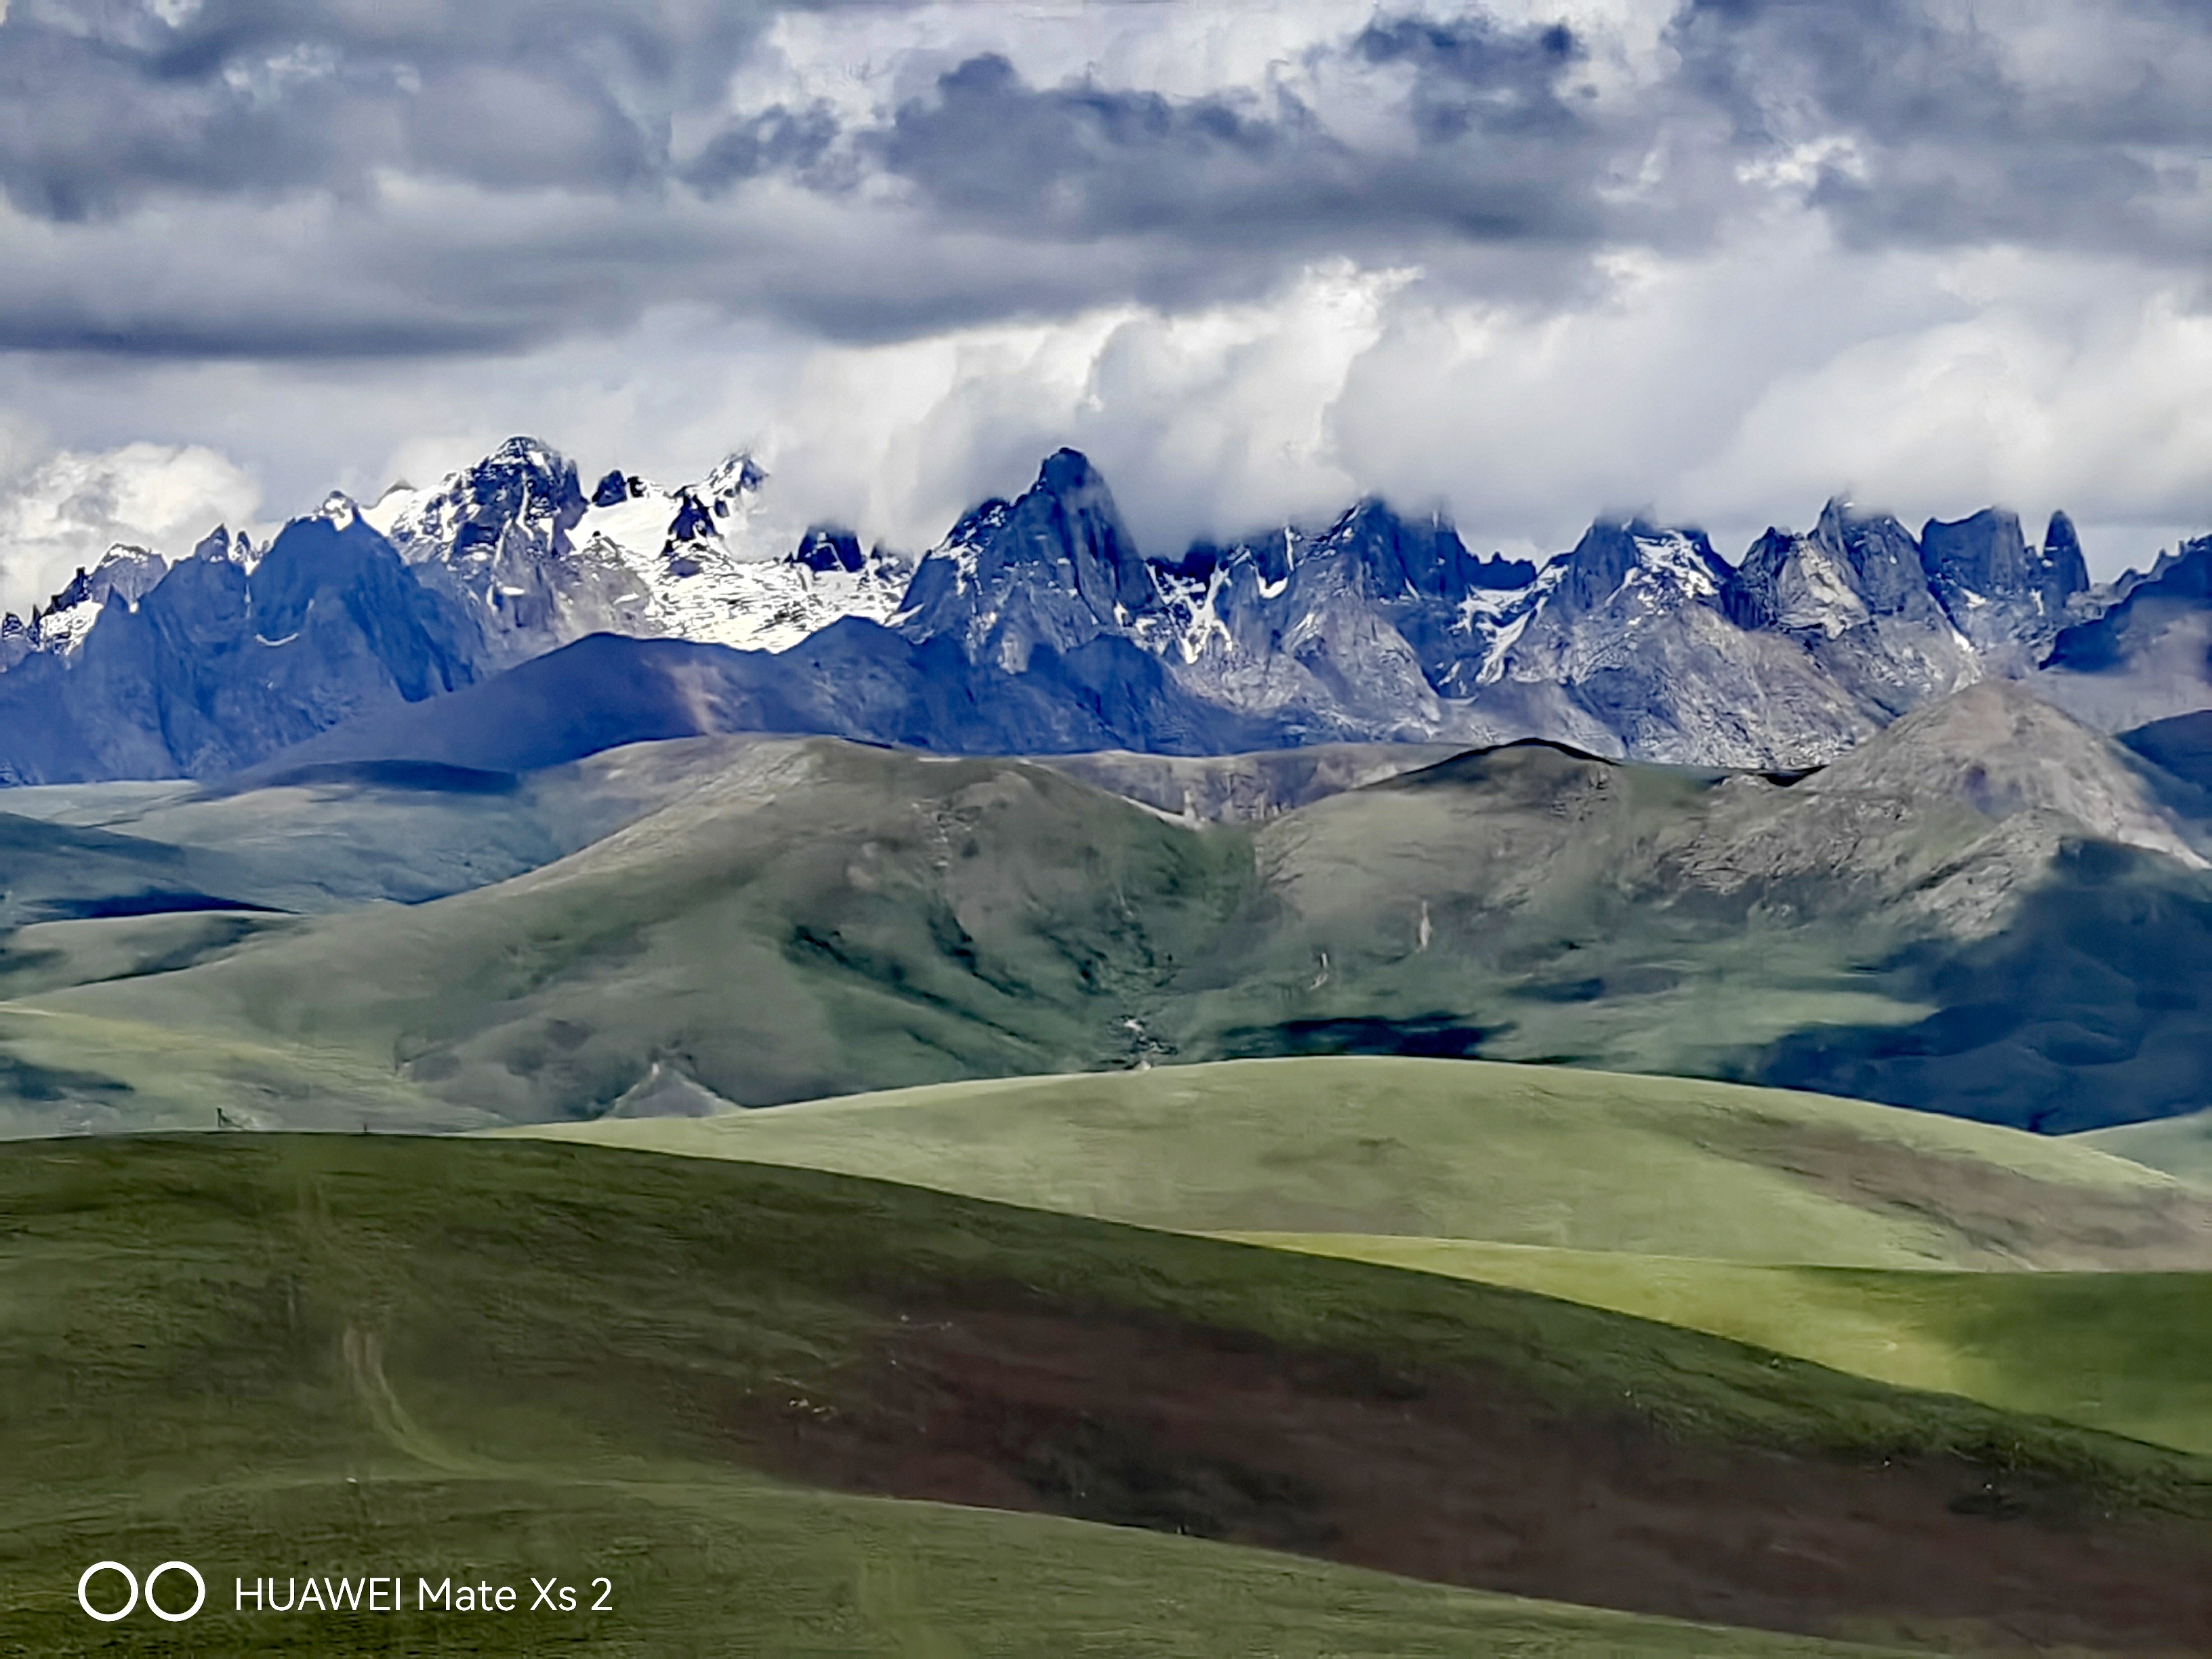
1487,1017
1357,1200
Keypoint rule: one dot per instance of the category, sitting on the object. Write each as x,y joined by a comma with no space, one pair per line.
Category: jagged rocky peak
717,506
124,573
618,487
2061,552
522,479
1853,567
540,564
130,572
1056,566
218,665
693,522
2130,580
1068,517
233,547
2176,591
1986,553
523,499
338,509
1881,555
1410,559
736,479
1997,590
1617,553
825,548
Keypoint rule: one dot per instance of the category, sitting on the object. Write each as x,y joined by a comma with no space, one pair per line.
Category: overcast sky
1528,263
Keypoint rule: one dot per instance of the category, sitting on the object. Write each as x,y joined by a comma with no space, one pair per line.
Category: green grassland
811,918
541,1347
2130,1353
69,1074
286,1355
1512,1154
783,919
1779,1220
706,1563
314,839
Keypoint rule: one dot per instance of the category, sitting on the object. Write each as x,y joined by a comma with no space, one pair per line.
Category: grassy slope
2130,1353
1536,906
323,1354
812,918
336,838
2178,1146
792,918
1834,935
70,1074
1466,1149
320,839
705,1562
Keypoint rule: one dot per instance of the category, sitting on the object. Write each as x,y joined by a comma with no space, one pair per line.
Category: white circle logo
85,1601
199,1591
84,1583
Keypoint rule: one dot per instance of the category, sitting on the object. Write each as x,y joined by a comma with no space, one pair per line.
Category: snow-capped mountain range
540,564
1640,640
1038,622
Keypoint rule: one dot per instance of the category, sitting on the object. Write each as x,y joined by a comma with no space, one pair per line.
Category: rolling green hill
320,838
2127,1353
1986,910
1774,1219
1512,1154
711,1382
117,881
812,918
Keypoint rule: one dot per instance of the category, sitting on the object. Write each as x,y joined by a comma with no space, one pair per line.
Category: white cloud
2078,388
69,509
1736,389
1736,381
1215,420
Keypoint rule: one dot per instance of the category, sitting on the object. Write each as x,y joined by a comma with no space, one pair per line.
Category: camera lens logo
131,1578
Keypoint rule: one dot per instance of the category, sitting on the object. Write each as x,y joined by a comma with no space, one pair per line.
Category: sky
1525,263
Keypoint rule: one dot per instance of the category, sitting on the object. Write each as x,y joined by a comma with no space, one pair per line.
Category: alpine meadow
1311,829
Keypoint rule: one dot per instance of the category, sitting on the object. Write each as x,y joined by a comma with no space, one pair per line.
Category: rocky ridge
220,662
515,539
1640,641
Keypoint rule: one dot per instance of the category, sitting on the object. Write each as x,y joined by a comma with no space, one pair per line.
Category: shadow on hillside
2087,1010
1427,1037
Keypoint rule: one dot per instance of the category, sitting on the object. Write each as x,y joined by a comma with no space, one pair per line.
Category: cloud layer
62,514
1521,261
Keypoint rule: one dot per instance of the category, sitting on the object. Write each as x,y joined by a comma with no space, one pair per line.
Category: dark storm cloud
1005,198
778,140
2081,126
103,106
1477,77
592,170
1498,155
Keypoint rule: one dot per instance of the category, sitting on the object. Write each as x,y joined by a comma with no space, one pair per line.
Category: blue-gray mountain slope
217,666
1038,625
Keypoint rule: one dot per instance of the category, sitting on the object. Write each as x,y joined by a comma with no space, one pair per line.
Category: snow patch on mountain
1497,622
542,564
